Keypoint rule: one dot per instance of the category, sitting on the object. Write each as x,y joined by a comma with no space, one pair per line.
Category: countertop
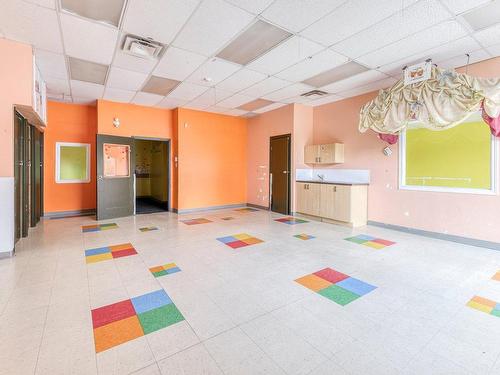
332,182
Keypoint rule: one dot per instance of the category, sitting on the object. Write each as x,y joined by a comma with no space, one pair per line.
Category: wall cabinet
332,153
339,203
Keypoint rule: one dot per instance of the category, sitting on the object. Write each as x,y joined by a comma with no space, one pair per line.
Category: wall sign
417,73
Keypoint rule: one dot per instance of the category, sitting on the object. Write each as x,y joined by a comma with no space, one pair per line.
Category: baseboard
257,206
210,208
439,236
66,214
7,254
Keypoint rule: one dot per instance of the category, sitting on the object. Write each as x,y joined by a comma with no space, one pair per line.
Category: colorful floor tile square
291,220
148,229
199,220
304,236
485,305
496,276
336,286
126,320
165,269
246,209
370,241
98,227
109,252
239,240
227,218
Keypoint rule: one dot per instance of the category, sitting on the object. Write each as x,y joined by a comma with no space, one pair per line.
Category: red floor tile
112,313
124,253
331,275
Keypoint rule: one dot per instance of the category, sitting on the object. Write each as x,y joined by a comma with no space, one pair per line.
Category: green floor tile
338,294
356,240
495,312
160,318
160,273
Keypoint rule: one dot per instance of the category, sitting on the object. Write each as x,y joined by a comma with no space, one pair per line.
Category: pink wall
16,80
260,129
467,215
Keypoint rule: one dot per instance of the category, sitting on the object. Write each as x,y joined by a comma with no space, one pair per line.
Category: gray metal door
115,176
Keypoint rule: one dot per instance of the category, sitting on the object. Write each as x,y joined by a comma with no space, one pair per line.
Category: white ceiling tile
44,3
158,19
295,15
125,79
236,112
31,24
440,53
297,99
350,18
215,69
325,100
310,67
434,36
373,86
57,86
89,90
295,89
353,82
178,64
204,33
458,61
118,95
211,97
461,6
60,98
187,91
88,40
235,101
86,101
126,61
240,80
147,99
253,6
196,106
286,54
419,16
489,36
51,64
270,107
265,87
170,103
494,50
215,109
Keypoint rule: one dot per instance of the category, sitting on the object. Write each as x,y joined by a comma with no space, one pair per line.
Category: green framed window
72,163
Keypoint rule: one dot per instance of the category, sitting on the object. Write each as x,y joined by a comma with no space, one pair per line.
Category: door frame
289,197
167,141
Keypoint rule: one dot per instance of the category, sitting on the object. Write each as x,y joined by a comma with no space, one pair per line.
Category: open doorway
151,175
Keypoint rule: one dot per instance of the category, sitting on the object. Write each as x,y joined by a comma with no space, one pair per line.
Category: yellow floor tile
98,258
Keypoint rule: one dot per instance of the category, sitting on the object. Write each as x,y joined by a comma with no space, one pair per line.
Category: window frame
494,163
58,162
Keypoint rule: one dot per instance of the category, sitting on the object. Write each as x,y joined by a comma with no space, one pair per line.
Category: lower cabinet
341,203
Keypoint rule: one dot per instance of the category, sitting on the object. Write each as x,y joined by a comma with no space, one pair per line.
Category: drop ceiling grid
290,70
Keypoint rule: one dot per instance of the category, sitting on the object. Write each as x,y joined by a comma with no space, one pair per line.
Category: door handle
285,172
334,189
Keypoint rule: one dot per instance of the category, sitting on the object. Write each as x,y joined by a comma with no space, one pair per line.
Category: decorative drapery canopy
441,102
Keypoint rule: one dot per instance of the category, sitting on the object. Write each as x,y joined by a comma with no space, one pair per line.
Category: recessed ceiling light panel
485,16
160,86
142,47
87,71
108,11
336,74
253,42
255,104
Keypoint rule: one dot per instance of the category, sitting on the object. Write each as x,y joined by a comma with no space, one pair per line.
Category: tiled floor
239,310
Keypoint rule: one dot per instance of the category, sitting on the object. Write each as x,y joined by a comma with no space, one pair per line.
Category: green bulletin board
73,163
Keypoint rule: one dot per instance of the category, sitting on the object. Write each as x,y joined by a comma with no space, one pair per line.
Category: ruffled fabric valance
441,102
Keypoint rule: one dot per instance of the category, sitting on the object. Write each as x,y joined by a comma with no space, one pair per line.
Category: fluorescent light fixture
160,86
485,16
108,11
336,74
253,42
87,71
255,104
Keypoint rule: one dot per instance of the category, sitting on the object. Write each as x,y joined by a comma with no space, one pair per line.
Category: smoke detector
314,94
145,48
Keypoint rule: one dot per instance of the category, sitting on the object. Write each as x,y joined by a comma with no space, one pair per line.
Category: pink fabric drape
493,122
389,138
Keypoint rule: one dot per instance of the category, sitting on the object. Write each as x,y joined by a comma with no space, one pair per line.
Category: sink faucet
321,177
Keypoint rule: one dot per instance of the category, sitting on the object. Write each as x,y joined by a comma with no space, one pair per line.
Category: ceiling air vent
314,94
145,48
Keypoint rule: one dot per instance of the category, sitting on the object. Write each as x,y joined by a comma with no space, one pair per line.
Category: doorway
279,173
151,175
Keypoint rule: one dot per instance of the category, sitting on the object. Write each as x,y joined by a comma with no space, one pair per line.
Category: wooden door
115,176
279,174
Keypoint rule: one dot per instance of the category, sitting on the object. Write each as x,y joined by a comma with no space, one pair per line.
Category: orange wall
16,82
212,152
68,123
467,215
260,129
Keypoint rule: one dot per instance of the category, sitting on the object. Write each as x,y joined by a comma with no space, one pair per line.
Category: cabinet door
301,196
327,153
308,198
342,203
311,154
327,202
